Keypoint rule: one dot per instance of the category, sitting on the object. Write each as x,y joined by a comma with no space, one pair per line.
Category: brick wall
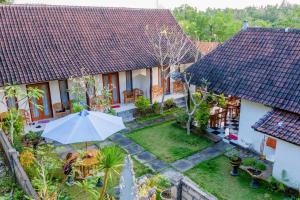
156,91
178,87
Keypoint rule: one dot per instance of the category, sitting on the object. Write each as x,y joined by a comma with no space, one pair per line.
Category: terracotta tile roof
258,64
41,43
280,124
206,47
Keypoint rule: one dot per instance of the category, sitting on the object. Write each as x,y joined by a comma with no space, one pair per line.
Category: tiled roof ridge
80,7
262,120
280,124
269,29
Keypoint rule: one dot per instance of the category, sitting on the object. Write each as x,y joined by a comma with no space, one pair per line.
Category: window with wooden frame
12,102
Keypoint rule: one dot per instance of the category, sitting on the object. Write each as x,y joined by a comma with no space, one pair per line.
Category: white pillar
122,85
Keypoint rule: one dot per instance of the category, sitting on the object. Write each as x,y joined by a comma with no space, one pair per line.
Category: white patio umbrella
85,126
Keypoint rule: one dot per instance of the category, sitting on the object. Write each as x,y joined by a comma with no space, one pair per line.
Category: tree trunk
163,94
104,185
11,128
188,125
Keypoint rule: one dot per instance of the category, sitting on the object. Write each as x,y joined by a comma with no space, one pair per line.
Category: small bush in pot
235,161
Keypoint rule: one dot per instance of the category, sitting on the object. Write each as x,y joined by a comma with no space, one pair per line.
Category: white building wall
287,158
122,84
3,107
250,113
139,79
70,85
54,92
155,76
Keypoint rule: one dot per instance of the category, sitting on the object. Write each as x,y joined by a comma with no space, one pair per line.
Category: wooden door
111,81
44,101
167,89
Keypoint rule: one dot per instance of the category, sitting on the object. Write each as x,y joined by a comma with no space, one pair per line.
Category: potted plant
235,161
255,169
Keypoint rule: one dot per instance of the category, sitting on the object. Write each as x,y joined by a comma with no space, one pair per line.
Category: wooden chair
137,93
59,111
128,96
2,116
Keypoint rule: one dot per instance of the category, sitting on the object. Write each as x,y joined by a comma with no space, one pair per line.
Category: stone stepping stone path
157,165
134,149
206,154
139,153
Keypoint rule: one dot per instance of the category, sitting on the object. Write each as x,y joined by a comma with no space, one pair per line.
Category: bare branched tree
191,109
170,47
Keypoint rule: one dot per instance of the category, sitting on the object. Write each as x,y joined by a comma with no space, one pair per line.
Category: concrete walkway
128,188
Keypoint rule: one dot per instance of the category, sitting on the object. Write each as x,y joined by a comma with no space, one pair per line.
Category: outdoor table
87,165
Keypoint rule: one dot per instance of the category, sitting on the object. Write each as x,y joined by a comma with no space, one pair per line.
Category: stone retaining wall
190,191
15,166
184,188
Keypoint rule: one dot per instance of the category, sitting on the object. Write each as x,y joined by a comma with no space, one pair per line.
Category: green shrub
222,101
252,162
155,107
18,125
112,111
249,161
182,118
202,115
260,166
275,186
142,105
77,107
169,103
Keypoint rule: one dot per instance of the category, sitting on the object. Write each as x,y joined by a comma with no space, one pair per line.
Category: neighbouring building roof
280,124
258,64
206,47
42,43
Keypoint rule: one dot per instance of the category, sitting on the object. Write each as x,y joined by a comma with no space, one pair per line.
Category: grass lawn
169,142
140,169
214,176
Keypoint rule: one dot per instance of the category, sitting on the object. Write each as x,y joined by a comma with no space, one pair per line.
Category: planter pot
254,183
254,173
235,163
166,195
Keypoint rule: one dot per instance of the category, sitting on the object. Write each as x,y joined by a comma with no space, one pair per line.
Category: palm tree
111,159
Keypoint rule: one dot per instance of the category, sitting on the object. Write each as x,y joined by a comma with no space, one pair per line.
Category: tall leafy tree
221,24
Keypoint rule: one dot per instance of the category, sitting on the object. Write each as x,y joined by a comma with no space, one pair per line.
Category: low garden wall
189,191
15,166
184,188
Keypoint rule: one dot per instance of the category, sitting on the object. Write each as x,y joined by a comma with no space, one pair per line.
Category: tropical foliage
221,24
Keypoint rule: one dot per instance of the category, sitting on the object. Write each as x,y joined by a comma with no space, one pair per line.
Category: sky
200,4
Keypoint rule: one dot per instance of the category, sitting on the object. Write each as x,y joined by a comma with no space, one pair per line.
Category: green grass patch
154,116
168,141
140,169
214,176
